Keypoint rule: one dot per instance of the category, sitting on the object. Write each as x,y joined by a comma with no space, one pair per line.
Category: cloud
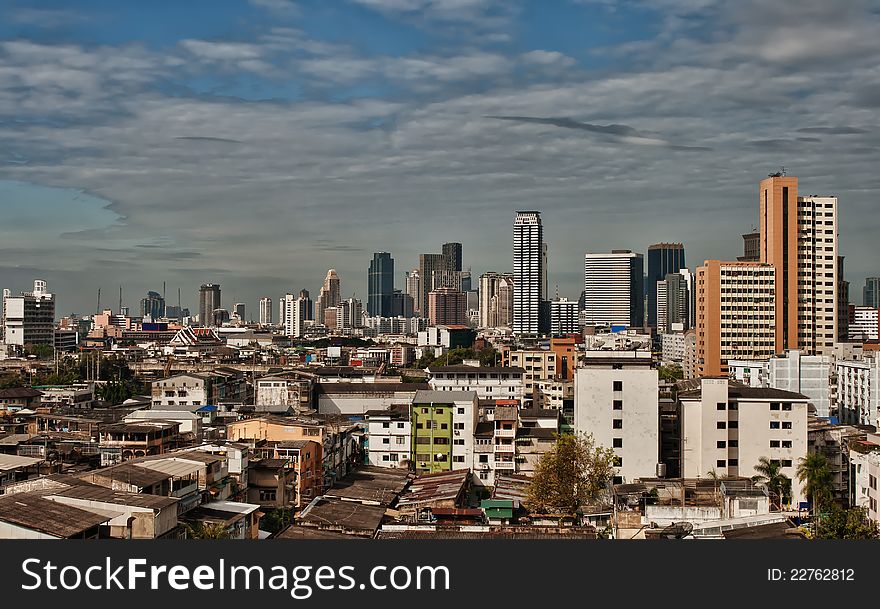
202,138
840,130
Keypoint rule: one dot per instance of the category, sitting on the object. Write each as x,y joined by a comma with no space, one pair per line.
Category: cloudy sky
257,144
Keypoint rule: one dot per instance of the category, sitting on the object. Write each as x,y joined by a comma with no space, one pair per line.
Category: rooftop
329,388
538,413
374,485
13,462
443,397
349,516
481,369
298,532
129,473
429,488
750,393
33,511
19,392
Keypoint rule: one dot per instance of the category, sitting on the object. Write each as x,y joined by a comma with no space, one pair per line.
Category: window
617,443
786,406
439,411
385,457
267,495
441,441
872,481
617,405
424,411
400,440
618,461
617,480
774,406
444,426
386,425
733,462
734,424
423,440
484,459
419,426
786,425
458,442
458,426
721,463
721,444
786,463
617,424
733,443
721,425
774,424
386,440
721,406
460,411
617,386
733,406
774,443
458,458
786,444
400,426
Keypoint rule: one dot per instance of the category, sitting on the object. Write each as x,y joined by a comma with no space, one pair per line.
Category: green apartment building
443,430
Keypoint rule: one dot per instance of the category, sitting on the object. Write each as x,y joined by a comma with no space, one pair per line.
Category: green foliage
8,381
769,474
206,530
846,524
487,357
114,392
670,372
40,351
573,473
276,520
813,473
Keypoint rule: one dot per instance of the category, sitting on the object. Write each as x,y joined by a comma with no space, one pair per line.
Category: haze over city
256,145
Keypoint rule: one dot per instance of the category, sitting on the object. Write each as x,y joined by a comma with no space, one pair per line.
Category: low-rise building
389,436
443,425
494,383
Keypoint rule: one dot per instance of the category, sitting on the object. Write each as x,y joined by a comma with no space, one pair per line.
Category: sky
256,144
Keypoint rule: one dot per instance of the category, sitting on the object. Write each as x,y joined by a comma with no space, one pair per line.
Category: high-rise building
799,238
153,306
452,251
433,268
447,307
328,296
29,319
380,285
871,293
842,303
863,324
402,305
239,311
751,247
528,272
209,300
413,287
564,317
219,317
265,311
466,281
736,314
674,305
663,258
614,290
295,311
349,315
490,283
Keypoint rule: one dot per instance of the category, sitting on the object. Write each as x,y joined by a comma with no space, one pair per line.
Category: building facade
380,285
528,272
614,289
663,259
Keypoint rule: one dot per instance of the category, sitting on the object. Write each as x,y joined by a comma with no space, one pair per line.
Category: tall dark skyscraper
209,300
663,259
153,306
452,251
380,290
871,292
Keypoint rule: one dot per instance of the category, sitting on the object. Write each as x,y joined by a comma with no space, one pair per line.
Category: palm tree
813,473
770,476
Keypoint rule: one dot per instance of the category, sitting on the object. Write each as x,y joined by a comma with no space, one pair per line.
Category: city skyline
253,147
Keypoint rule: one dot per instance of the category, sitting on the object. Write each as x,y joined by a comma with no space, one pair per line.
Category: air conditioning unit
457,432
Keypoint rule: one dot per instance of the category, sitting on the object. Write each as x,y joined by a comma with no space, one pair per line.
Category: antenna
120,299
783,170
98,310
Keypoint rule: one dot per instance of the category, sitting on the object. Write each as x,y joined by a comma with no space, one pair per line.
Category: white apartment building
864,324
616,400
672,347
30,317
180,390
806,374
864,460
613,289
564,317
750,372
858,391
266,311
496,300
529,272
817,274
552,394
389,434
284,391
495,445
727,428
294,313
539,365
495,383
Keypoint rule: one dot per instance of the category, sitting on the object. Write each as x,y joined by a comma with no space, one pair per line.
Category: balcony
505,448
505,433
505,465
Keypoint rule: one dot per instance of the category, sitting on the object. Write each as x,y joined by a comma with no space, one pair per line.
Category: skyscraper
751,247
614,289
328,297
265,311
209,300
871,293
239,311
295,311
413,287
799,238
490,284
447,306
432,269
663,258
380,285
528,272
452,251
307,305
153,306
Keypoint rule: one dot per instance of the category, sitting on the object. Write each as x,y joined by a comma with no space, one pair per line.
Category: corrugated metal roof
172,467
11,462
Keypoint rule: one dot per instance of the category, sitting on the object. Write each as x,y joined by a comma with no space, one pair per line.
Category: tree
670,372
770,476
813,473
574,472
847,524
207,530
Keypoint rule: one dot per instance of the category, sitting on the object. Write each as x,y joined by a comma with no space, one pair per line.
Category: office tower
466,281
564,318
545,288
328,297
751,247
489,285
209,299
239,311
219,317
349,314
380,285
614,289
413,287
153,306
842,303
582,300
402,305
528,272
736,314
307,305
663,258
871,293
452,251
434,272
674,297
501,305
29,319
265,311
799,238
447,307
